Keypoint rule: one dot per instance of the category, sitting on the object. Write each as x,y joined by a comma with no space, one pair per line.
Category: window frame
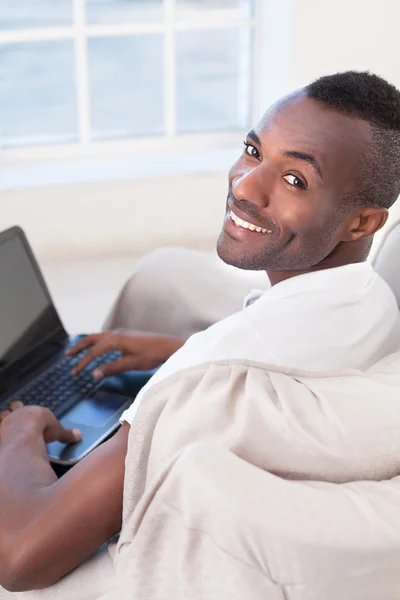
271,26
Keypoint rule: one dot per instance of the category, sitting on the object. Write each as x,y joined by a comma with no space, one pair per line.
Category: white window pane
37,93
126,83
123,11
24,14
213,80
186,8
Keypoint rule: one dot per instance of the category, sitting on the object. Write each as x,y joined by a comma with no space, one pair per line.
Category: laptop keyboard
57,389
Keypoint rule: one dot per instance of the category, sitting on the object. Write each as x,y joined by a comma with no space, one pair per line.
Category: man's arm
49,526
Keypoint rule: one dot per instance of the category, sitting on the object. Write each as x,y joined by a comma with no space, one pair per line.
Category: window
79,72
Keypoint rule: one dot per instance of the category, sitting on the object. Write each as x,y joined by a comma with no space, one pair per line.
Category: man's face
286,188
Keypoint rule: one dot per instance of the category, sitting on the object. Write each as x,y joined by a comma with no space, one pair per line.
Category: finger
110,343
86,342
4,414
65,436
121,365
70,436
15,405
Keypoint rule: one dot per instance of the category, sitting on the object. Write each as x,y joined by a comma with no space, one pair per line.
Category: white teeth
238,221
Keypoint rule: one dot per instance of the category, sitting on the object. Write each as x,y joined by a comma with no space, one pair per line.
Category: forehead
297,122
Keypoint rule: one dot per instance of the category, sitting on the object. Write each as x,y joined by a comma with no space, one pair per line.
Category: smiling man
313,185
308,179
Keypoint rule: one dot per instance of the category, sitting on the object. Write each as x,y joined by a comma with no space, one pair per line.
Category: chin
232,256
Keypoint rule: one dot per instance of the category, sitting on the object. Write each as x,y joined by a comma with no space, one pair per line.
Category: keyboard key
57,387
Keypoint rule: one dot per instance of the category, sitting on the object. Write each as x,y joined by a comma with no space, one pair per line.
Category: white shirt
346,317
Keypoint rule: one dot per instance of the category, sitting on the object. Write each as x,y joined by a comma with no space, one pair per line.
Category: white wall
338,35
119,217
134,216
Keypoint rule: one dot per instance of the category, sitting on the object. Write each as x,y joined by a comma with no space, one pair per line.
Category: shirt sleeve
129,414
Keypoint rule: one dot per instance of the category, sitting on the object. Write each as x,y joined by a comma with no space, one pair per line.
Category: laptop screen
27,315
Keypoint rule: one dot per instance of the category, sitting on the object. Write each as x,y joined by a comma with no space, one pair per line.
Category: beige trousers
179,292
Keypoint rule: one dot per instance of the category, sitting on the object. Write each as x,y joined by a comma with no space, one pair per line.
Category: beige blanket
247,481
244,481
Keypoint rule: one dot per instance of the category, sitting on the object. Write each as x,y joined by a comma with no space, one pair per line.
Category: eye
251,150
294,181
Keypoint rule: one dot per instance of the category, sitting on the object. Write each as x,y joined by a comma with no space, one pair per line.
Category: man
313,185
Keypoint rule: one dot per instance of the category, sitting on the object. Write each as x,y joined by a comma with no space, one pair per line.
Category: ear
366,223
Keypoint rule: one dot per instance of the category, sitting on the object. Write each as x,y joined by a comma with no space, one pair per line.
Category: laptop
33,365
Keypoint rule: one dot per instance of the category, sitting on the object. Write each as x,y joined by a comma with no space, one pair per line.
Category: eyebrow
253,136
308,158
296,154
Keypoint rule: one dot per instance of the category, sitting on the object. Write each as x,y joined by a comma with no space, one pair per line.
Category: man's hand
140,350
37,420
49,526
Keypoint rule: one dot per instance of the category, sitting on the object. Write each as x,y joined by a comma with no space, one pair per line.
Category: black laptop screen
27,316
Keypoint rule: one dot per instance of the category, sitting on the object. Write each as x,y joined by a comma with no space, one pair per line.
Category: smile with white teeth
240,223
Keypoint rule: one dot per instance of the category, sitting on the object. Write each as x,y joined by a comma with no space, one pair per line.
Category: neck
343,254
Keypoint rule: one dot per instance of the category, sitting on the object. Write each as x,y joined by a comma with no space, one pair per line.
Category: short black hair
376,101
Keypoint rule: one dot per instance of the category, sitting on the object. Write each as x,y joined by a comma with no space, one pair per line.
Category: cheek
292,214
302,213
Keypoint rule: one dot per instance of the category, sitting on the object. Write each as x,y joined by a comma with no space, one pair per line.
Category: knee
151,299
158,273
161,263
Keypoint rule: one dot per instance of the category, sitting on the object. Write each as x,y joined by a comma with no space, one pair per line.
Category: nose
251,184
